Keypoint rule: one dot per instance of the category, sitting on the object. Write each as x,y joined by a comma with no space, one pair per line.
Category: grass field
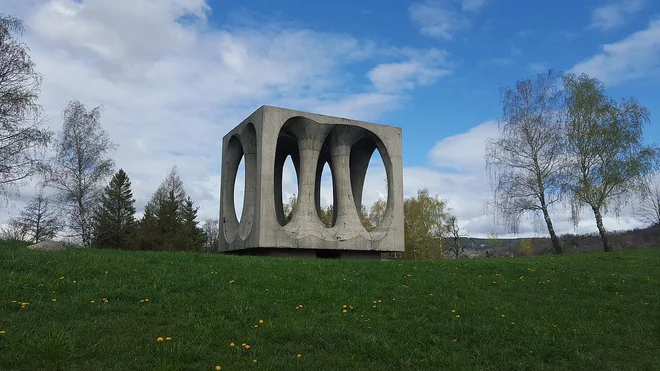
105,310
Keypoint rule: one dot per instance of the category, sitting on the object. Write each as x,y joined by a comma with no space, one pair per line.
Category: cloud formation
615,13
632,58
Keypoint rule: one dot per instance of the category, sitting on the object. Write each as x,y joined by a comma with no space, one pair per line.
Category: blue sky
174,76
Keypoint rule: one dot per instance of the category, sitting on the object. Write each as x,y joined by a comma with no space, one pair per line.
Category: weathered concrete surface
48,246
265,140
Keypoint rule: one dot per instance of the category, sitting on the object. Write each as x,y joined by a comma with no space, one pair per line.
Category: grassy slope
594,311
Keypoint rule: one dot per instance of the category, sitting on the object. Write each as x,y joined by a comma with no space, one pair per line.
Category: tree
114,218
648,206
377,211
526,247
608,157
288,208
526,162
191,237
23,141
454,244
39,220
425,225
80,167
327,215
211,229
13,230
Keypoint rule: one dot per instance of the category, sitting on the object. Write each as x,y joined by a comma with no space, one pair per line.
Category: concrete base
309,254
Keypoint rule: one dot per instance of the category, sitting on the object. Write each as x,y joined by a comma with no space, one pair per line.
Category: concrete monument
265,140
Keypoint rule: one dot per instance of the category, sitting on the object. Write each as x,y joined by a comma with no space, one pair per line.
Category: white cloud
615,13
635,57
437,19
464,151
419,70
472,5
172,86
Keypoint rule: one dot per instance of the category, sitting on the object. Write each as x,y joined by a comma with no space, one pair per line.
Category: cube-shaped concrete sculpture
265,140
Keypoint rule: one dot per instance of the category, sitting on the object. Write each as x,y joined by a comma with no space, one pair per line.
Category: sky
174,76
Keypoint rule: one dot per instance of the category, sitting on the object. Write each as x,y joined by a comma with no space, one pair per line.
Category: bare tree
39,219
23,141
454,244
609,159
14,230
288,208
648,207
81,167
211,229
526,162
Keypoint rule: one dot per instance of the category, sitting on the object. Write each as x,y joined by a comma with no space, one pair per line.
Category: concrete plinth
265,140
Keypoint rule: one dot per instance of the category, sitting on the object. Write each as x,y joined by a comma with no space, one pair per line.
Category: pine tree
114,218
191,236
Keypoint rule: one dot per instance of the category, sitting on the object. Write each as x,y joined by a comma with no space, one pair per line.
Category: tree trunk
601,229
553,236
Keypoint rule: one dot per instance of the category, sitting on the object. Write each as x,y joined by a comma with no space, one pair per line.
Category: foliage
13,230
425,225
23,140
191,236
39,220
327,216
211,229
494,241
114,218
80,167
648,206
526,162
526,247
608,157
288,208
441,314
377,211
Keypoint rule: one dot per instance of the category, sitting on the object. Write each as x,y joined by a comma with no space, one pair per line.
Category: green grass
576,312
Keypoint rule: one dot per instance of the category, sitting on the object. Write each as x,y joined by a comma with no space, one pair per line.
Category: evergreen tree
168,222
146,235
114,218
191,236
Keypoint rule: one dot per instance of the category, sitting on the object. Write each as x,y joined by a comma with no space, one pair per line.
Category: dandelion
343,311
299,355
73,282
455,340
231,344
513,323
254,361
146,300
218,368
453,310
261,322
231,281
380,301
168,338
61,278
256,326
2,332
458,316
159,339
142,301
91,301
502,316
344,306
53,300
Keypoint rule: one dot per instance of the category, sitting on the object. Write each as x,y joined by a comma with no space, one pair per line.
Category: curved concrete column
324,157
361,153
232,158
248,140
310,135
341,141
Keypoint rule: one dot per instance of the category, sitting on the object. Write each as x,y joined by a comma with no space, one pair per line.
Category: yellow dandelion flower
247,347
254,361
61,278
298,355
343,306
502,316
343,311
142,301
513,323
458,316
159,339
231,344
455,340
168,338
453,310
255,326
91,301
261,322
146,300
53,300
73,282
218,368
373,306
2,332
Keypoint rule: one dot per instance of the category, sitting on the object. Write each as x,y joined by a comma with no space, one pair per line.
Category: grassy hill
105,310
